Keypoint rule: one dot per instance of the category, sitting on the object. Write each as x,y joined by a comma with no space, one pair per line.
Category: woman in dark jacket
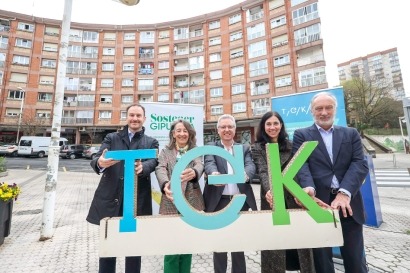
271,129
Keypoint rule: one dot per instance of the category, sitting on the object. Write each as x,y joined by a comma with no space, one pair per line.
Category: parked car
91,152
9,149
72,151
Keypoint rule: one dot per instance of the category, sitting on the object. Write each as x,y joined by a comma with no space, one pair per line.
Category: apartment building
383,66
230,61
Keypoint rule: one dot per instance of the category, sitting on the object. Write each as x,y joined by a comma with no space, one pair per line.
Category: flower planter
6,209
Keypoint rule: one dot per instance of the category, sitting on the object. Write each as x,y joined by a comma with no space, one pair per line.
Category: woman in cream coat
182,138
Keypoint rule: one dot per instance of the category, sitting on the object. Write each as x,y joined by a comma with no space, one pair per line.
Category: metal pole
54,149
402,134
21,113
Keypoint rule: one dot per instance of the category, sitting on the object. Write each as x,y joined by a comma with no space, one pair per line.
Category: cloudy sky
350,28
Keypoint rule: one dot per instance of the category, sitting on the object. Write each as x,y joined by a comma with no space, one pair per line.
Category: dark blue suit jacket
349,165
213,163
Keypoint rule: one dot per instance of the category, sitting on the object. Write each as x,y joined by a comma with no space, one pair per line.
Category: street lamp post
21,112
46,231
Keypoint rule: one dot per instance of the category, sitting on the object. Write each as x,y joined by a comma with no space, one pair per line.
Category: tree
32,124
367,100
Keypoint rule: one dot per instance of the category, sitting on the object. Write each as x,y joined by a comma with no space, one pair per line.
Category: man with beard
108,198
334,173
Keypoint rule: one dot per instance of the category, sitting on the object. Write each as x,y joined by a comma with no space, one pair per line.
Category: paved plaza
74,246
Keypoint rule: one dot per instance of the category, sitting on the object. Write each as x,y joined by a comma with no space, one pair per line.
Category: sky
350,28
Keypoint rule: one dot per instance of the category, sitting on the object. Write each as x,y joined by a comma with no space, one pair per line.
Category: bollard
394,160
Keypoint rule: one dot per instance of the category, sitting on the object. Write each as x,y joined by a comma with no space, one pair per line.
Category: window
281,60
109,36
106,98
50,47
256,31
23,43
107,83
12,112
312,77
296,2
49,63
145,84
128,66
235,36
108,67
52,31
15,95
22,60
214,25
129,51
45,97
257,49
280,40
127,83
215,74
43,113
283,81
163,34
90,37
104,114
278,21
25,27
163,65
307,35
129,36
147,37
305,14
237,70
238,89
235,18
238,107
258,68
4,42
123,115
214,41
216,92
215,57
259,87
163,49
217,110
18,77
109,51
181,33
48,80
163,97
126,99
237,52
163,81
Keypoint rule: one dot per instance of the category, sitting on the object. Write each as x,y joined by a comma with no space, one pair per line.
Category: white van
36,146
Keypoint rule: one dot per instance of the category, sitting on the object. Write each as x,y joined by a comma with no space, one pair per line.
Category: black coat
108,197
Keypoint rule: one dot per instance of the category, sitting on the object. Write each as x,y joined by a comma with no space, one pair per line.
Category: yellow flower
9,192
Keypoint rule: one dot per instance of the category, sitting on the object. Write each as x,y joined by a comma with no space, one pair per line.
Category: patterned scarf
181,151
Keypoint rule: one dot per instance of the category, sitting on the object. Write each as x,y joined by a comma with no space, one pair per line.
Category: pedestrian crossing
392,177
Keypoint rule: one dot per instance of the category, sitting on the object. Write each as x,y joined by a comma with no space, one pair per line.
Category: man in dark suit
217,197
108,198
334,173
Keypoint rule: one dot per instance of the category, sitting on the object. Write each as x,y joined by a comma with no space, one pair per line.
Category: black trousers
352,251
132,265
221,258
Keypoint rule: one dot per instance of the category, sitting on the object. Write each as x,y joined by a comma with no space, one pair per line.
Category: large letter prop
226,230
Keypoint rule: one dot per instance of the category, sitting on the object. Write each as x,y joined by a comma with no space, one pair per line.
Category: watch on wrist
342,192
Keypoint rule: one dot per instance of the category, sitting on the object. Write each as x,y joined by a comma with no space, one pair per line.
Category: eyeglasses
229,127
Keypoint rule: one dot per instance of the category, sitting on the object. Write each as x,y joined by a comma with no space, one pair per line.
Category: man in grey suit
217,197
334,173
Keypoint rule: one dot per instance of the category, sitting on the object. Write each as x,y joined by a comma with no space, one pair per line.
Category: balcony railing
145,71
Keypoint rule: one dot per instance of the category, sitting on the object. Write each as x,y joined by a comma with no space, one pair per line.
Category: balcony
258,111
145,71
